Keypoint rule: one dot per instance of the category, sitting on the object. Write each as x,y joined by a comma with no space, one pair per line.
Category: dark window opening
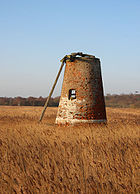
72,94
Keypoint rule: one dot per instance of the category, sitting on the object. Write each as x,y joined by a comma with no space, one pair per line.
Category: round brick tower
82,99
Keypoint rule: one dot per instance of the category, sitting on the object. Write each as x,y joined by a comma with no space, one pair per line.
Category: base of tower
61,121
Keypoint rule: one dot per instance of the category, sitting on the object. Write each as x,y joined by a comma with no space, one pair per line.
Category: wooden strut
48,99
71,57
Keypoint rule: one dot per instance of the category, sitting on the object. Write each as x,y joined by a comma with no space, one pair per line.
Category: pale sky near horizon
35,35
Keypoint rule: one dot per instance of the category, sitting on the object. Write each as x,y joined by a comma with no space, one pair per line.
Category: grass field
44,158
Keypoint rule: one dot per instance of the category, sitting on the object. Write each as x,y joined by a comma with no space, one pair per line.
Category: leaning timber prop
63,61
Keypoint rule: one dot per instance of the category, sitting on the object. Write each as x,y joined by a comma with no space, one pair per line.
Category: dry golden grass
44,158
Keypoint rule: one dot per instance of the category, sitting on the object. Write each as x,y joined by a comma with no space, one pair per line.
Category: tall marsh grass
87,159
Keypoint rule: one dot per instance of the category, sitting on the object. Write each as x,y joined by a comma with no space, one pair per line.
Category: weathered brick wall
83,75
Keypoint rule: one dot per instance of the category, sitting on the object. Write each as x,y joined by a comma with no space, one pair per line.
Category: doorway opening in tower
72,94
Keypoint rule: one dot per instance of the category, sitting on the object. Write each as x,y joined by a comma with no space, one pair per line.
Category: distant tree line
114,100
123,100
30,101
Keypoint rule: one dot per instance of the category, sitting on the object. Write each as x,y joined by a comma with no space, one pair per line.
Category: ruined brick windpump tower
82,99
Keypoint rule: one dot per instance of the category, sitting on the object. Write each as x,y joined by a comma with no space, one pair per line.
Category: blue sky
35,35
